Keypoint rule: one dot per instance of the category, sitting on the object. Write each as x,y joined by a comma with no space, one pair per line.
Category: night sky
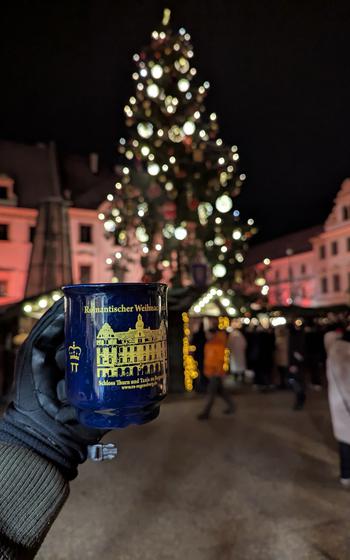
279,74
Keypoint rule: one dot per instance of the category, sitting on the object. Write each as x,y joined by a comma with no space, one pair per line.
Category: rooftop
298,242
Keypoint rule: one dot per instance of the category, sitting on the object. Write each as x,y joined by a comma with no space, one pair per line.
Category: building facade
89,247
310,268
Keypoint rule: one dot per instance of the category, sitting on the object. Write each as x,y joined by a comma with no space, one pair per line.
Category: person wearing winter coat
297,366
215,368
338,375
237,345
282,354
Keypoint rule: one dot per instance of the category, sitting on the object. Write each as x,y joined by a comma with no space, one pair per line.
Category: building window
324,285
345,212
85,274
32,233
85,234
303,269
3,288
290,272
336,282
4,194
322,252
4,232
334,248
277,274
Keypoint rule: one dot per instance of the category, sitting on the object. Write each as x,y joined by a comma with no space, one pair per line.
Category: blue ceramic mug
116,352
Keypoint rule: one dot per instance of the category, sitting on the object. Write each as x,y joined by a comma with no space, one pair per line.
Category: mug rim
100,285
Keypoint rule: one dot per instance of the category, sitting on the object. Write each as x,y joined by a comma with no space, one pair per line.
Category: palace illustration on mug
138,351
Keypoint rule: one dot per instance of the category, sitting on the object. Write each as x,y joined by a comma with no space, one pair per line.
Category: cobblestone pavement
261,485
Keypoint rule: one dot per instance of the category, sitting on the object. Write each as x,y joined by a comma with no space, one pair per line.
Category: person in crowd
262,345
237,345
198,340
338,375
296,365
215,357
282,354
315,355
41,442
333,333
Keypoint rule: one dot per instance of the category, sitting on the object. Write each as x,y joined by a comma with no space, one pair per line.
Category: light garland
37,307
190,364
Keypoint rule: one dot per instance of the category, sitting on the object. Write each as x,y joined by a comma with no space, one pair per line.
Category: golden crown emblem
74,352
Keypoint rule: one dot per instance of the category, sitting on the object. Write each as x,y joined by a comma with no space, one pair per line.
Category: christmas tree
178,179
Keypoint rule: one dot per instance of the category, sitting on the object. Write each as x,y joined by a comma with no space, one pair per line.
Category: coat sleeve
32,492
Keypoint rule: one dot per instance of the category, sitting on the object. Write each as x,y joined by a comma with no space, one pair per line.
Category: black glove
40,418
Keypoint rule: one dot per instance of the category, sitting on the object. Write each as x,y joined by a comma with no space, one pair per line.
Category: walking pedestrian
215,368
198,340
296,366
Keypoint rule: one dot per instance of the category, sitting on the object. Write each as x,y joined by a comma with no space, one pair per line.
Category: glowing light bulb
27,308
153,169
110,226
158,247
180,233
101,216
224,203
219,270
109,260
43,303
110,197
236,234
145,129
212,116
141,234
157,71
145,151
189,127
183,85
152,90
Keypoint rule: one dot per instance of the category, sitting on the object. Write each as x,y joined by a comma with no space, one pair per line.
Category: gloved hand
40,418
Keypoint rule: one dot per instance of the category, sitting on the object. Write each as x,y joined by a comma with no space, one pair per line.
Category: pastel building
309,268
31,174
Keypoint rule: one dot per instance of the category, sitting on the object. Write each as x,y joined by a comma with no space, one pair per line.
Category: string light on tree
224,203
